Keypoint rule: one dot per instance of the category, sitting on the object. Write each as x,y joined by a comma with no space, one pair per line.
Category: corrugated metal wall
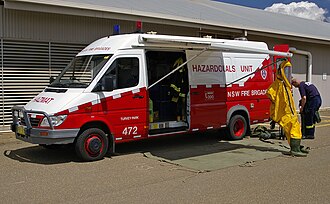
27,67
321,64
72,29
53,27
29,56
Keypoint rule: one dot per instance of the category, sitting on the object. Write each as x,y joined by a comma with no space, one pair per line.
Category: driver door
125,107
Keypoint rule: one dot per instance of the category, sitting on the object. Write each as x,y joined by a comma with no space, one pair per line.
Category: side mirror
51,79
105,84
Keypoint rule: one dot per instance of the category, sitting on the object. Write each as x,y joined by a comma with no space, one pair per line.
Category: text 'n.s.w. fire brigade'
246,93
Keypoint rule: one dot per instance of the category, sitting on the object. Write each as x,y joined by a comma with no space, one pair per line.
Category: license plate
21,130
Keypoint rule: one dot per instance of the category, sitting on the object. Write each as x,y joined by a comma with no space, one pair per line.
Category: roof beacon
116,29
241,38
207,36
139,26
152,32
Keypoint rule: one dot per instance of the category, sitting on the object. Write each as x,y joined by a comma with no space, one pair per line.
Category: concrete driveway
200,168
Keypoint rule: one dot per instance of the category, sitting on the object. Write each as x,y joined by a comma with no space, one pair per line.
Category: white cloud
303,9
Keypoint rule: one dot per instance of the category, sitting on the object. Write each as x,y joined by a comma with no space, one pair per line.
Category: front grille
34,121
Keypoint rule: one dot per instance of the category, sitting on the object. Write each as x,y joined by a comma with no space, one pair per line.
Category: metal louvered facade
26,69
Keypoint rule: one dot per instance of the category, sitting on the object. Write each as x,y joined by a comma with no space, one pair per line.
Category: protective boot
295,148
304,149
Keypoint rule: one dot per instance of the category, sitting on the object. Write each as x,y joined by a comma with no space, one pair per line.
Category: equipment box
165,109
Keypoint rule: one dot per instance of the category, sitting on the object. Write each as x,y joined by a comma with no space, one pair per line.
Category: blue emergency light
116,29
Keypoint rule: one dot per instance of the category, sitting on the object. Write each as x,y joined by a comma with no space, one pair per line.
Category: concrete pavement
31,174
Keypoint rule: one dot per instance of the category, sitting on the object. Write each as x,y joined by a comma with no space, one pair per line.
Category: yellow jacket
282,109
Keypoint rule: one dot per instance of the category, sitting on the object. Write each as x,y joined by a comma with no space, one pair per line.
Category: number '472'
130,130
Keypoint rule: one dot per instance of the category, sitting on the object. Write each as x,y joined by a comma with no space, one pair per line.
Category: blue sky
262,4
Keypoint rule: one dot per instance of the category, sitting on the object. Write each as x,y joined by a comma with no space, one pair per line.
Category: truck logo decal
129,118
213,68
264,74
209,95
248,93
96,49
42,99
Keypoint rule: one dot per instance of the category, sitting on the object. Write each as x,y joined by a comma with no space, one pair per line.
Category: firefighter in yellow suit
282,109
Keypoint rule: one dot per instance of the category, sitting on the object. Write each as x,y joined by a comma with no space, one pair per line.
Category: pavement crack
248,164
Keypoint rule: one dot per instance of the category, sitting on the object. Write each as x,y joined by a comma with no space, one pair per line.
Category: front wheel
92,144
237,127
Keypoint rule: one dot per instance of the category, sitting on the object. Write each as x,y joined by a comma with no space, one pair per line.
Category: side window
127,72
124,73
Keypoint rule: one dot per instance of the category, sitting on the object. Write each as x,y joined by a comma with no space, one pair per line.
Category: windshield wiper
69,84
76,84
57,84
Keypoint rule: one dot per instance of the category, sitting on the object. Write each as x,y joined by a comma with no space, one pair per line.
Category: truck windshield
81,71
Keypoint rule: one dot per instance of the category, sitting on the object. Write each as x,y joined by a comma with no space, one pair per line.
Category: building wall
321,64
37,26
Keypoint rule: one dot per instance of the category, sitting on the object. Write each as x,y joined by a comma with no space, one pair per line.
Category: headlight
55,120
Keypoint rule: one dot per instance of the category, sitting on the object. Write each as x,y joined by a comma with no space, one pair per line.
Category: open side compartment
168,109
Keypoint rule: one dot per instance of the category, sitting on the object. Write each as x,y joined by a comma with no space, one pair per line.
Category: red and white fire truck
118,89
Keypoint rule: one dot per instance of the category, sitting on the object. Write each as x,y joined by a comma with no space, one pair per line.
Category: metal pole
309,62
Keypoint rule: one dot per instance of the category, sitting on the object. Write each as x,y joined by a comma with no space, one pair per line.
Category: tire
91,145
237,127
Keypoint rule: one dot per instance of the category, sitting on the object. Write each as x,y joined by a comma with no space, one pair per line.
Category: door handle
138,96
195,93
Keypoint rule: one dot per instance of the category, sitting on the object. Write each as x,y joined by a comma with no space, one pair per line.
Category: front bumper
35,135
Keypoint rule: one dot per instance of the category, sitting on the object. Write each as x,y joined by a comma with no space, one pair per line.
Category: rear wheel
92,144
237,127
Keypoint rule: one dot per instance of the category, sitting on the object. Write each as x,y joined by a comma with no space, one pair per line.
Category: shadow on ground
185,146
180,148
206,152
40,155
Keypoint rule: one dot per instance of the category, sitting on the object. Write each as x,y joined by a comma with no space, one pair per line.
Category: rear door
207,90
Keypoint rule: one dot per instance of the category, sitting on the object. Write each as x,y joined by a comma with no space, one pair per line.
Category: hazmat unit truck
129,87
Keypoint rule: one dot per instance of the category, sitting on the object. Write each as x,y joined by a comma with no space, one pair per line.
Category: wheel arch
239,110
104,127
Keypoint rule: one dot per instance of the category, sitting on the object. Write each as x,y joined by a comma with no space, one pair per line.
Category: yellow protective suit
282,109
